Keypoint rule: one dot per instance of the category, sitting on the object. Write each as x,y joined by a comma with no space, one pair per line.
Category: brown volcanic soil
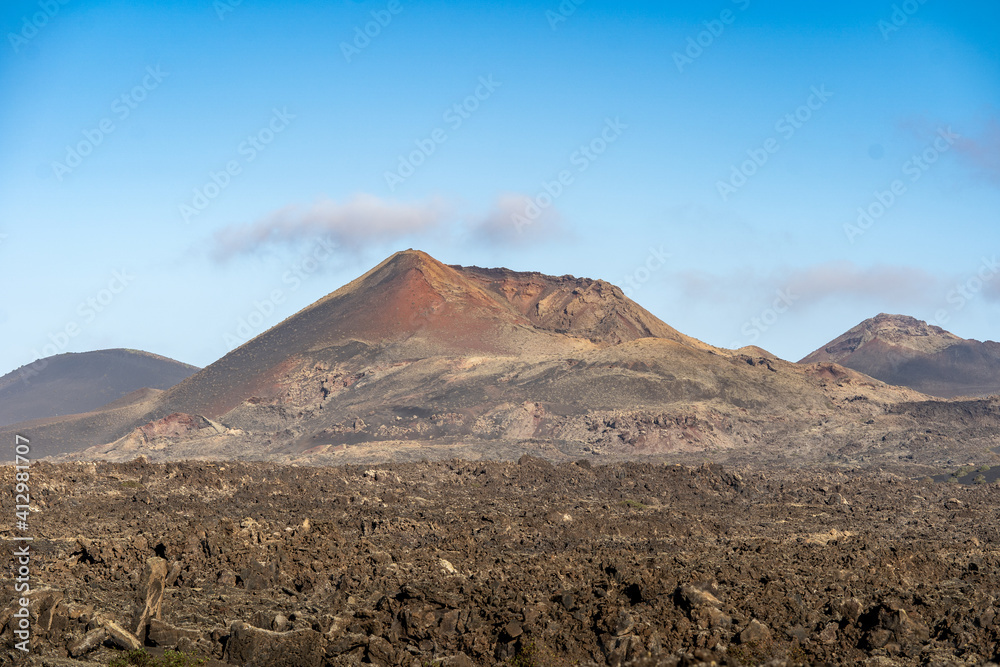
474,563
645,398
70,432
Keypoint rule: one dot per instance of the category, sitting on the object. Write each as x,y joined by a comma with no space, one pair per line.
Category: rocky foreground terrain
519,563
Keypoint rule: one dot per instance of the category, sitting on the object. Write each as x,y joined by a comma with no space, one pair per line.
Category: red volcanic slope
413,306
592,309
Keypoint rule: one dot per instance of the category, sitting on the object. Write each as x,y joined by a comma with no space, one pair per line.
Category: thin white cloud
991,286
890,285
976,148
982,152
356,222
516,219
512,219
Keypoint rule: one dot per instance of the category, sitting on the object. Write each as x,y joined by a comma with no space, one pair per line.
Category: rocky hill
72,383
905,351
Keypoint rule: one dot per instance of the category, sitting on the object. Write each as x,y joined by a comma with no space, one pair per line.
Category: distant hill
71,383
905,351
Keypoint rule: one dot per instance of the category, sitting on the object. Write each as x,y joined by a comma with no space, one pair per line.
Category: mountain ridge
80,382
903,350
418,359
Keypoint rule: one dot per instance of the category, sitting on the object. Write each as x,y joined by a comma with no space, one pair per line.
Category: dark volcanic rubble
526,563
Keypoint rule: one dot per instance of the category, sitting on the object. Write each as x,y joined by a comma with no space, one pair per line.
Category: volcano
72,383
418,359
906,351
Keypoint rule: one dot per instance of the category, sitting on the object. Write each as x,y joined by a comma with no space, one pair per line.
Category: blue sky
178,176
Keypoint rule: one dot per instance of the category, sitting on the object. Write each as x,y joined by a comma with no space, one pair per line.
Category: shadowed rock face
905,351
72,383
581,307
